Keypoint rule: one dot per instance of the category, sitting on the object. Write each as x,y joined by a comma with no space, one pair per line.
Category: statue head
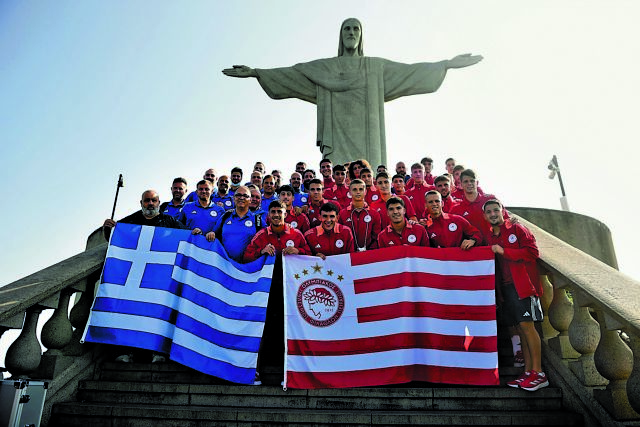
350,36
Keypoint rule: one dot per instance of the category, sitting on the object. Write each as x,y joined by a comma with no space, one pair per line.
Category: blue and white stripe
169,291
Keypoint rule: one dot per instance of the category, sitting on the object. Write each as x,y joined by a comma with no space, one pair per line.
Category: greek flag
168,291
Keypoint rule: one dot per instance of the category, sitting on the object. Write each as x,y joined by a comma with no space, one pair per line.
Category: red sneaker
535,381
518,359
516,383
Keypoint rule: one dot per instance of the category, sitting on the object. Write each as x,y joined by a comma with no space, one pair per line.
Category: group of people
349,208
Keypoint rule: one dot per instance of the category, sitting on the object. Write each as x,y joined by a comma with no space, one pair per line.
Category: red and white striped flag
391,316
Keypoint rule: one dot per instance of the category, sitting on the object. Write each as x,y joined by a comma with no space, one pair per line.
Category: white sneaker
256,380
125,358
158,358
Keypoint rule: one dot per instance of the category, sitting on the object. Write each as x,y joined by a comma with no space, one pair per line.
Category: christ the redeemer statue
350,91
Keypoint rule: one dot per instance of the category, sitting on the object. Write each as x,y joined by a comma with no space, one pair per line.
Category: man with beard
329,238
316,201
401,169
149,214
518,288
400,231
301,167
326,169
339,192
443,186
448,230
202,215
221,197
178,190
237,227
236,179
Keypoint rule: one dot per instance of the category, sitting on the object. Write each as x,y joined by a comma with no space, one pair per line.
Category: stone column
560,316
547,297
23,356
584,336
633,382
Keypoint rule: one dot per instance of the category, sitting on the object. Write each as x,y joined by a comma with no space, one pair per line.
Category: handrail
17,297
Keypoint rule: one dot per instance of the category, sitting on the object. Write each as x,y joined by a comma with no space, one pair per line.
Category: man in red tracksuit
400,231
329,238
518,289
339,192
363,221
448,230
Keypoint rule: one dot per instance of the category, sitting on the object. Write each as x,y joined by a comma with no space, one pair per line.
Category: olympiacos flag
391,316
169,291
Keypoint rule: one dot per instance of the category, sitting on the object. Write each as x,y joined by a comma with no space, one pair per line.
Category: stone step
105,415
398,399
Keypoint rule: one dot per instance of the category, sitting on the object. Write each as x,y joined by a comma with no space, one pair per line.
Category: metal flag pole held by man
115,200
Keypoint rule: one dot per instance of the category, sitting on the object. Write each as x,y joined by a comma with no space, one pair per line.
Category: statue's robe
350,93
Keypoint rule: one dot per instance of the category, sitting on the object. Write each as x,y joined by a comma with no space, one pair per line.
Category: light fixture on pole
555,169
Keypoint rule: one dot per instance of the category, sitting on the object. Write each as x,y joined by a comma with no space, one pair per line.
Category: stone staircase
169,394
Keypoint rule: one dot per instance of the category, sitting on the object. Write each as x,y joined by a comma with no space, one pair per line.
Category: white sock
515,343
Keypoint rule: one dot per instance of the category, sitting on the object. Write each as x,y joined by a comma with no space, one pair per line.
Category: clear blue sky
90,89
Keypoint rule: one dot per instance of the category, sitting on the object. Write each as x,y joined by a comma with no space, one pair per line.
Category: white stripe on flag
421,294
180,337
186,307
393,358
215,289
213,258
432,266
352,330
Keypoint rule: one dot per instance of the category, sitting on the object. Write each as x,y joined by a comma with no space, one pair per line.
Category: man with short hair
401,169
398,184
448,230
450,163
178,191
307,176
326,169
316,201
256,179
519,290
417,192
255,204
300,198
299,220
339,192
372,191
236,227
381,168
380,205
363,221
329,238
202,215
442,184
268,191
301,167
457,192
400,231
277,178
470,206
260,167
279,238
221,197
210,175
427,162
236,179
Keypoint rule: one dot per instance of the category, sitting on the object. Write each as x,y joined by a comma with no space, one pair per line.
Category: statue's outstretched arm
464,60
240,71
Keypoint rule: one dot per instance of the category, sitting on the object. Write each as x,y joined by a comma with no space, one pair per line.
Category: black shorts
515,310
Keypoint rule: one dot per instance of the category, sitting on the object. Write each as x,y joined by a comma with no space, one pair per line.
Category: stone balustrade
592,324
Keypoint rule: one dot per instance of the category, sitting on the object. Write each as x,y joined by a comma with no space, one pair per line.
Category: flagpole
115,201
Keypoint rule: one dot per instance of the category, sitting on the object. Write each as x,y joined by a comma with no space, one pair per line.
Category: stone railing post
547,297
614,361
56,333
23,356
80,315
560,316
584,336
633,382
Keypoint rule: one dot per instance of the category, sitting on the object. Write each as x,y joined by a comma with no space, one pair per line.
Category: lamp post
555,169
